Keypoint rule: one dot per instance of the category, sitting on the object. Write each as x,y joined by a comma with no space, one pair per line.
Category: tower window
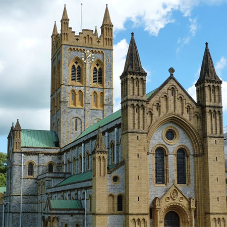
159,166
95,75
73,73
76,72
181,167
100,76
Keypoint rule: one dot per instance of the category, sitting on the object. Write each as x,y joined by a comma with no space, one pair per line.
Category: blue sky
168,33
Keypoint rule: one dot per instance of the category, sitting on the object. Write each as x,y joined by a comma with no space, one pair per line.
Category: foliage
3,161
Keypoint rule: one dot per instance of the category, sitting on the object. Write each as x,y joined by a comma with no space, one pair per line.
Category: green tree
3,161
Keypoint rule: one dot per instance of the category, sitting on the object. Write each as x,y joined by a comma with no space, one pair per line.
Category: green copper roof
77,178
38,138
65,204
101,123
2,189
106,120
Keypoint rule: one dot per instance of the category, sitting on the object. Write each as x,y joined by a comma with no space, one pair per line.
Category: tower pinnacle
65,15
207,72
106,18
132,63
55,30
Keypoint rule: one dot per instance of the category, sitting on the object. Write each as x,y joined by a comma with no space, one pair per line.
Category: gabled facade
157,162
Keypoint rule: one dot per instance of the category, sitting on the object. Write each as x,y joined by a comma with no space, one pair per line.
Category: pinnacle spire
106,18
100,145
207,72
65,15
17,126
132,63
55,30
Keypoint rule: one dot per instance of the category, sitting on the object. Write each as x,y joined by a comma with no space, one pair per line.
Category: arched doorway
172,219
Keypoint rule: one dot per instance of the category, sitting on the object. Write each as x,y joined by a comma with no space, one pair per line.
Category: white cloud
192,91
193,27
25,31
1,67
220,65
120,51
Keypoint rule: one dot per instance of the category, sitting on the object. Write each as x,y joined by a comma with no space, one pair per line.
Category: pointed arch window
68,165
98,73
181,166
72,98
76,72
80,98
74,165
159,166
95,99
30,169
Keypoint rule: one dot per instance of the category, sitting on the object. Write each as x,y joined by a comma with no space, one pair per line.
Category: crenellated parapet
86,38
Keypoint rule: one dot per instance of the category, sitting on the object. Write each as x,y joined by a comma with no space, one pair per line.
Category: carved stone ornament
174,194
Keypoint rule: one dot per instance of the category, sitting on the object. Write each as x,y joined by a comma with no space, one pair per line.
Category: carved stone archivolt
174,200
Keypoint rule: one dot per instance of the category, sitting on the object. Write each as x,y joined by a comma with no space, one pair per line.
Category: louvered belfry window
181,167
73,73
100,76
76,72
159,166
95,75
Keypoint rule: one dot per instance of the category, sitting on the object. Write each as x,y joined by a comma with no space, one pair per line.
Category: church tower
208,89
134,138
82,78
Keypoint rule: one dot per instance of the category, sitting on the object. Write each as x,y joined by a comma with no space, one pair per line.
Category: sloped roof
76,178
65,204
38,138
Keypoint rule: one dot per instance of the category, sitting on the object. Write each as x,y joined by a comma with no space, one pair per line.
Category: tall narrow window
87,160
78,74
95,75
73,73
101,100
68,165
74,165
50,168
80,98
95,103
76,124
181,167
112,152
120,203
159,166
100,76
80,158
30,169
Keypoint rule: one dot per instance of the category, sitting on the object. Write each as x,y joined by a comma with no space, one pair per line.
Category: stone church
157,162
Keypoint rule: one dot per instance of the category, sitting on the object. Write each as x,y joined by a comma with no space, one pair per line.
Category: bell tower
82,78
134,137
208,89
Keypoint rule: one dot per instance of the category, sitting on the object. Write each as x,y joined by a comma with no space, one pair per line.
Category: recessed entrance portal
172,219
